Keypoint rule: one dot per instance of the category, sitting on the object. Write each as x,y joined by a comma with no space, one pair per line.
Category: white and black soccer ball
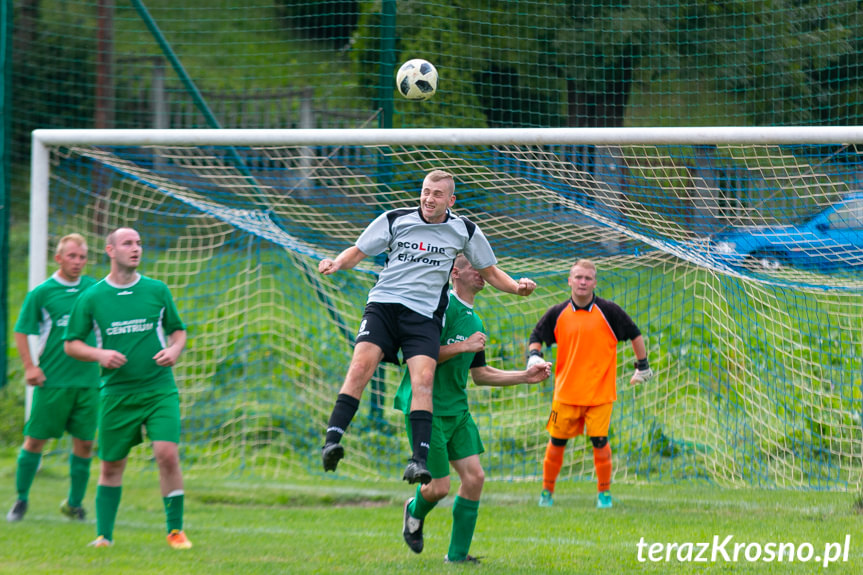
417,79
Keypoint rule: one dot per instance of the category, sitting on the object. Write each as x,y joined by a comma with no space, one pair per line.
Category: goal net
738,252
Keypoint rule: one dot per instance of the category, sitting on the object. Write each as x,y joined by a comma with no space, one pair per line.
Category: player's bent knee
599,442
557,442
34,445
436,490
111,472
424,387
357,378
82,448
475,475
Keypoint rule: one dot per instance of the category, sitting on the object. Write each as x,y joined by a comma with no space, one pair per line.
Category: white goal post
737,250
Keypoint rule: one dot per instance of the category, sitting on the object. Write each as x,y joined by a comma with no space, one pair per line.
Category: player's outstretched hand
535,358
327,266
526,286
640,376
538,371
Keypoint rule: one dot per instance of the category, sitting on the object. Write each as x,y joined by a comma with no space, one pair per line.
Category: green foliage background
502,63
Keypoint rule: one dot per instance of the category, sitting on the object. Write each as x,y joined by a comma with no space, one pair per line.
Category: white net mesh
740,264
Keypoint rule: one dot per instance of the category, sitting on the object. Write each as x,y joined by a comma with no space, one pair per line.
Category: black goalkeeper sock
343,412
421,427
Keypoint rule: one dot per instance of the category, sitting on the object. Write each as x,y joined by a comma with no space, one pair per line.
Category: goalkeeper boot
178,540
546,498
412,529
17,512
77,513
331,453
603,500
417,472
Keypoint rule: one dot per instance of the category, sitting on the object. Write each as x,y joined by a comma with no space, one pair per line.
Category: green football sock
464,514
174,511
28,465
420,507
79,475
107,504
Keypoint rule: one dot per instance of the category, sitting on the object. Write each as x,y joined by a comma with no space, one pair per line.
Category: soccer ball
417,80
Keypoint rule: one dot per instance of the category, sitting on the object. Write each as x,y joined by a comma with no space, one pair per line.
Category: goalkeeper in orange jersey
586,330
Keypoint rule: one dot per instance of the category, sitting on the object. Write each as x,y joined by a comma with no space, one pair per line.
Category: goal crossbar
455,136
717,135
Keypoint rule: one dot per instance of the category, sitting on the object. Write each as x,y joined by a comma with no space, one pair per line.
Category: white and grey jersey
420,258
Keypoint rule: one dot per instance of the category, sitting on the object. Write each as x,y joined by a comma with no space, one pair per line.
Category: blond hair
584,264
74,238
438,175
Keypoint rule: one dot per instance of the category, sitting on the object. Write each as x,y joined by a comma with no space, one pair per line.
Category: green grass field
243,524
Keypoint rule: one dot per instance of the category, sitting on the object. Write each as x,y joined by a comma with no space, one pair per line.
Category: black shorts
391,326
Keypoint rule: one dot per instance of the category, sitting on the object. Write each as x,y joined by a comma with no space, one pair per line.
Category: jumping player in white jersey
406,306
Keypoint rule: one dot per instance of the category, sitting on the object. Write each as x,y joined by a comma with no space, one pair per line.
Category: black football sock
421,427
343,412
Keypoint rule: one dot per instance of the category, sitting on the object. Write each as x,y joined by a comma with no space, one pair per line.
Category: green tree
602,48
575,63
331,20
53,73
784,62
558,63
420,34
493,71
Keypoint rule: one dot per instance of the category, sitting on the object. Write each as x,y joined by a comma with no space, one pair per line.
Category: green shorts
58,409
453,437
124,417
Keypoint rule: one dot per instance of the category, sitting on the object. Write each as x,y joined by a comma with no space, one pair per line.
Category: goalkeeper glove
642,372
534,358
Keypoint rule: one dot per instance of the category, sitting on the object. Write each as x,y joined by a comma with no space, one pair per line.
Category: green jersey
45,313
450,378
135,320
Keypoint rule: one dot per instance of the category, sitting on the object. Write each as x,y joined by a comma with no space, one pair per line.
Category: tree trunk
25,26
105,66
604,107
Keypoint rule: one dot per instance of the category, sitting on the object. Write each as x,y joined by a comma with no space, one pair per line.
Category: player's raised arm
501,280
344,261
491,376
473,344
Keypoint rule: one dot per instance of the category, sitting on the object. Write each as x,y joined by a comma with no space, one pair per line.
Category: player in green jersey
141,337
65,390
455,439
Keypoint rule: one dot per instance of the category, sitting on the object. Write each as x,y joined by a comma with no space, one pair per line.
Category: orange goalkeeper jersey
586,338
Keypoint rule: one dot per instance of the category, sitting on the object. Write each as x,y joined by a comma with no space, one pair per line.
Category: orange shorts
568,421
